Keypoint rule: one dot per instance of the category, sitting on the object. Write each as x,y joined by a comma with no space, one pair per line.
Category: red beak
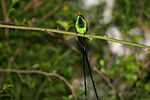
77,14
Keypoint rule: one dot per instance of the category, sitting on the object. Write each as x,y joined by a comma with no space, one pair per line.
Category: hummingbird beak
77,14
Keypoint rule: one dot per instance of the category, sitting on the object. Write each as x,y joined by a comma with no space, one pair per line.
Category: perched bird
81,27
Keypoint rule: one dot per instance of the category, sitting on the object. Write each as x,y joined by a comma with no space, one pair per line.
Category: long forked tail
83,52
86,57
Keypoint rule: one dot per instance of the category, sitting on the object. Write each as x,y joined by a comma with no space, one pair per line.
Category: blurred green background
121,72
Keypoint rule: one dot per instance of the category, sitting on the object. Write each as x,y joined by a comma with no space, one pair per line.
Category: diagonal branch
43,73
72,33
107,80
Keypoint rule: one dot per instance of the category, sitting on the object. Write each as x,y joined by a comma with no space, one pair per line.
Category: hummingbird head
80,20
77,14
80,24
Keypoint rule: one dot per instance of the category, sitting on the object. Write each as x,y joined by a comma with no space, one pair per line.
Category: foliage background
127,75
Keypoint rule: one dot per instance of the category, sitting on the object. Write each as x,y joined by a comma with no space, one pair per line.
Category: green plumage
81,25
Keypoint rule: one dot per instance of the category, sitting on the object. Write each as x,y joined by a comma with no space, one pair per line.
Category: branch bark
42,73
72,33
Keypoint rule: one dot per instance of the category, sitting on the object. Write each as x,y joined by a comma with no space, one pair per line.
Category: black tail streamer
86,57
83,52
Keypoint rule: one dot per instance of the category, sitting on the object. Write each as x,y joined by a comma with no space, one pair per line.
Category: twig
43,73
55,9
72,33
6,19
107,80
28,5
69,45
4,10
32,4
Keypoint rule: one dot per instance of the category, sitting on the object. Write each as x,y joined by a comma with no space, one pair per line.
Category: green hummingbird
81,27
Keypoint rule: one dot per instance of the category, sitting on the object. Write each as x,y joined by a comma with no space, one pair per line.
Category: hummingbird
81,27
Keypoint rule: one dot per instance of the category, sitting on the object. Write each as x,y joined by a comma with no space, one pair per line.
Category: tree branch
72,33
107,80
43,73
